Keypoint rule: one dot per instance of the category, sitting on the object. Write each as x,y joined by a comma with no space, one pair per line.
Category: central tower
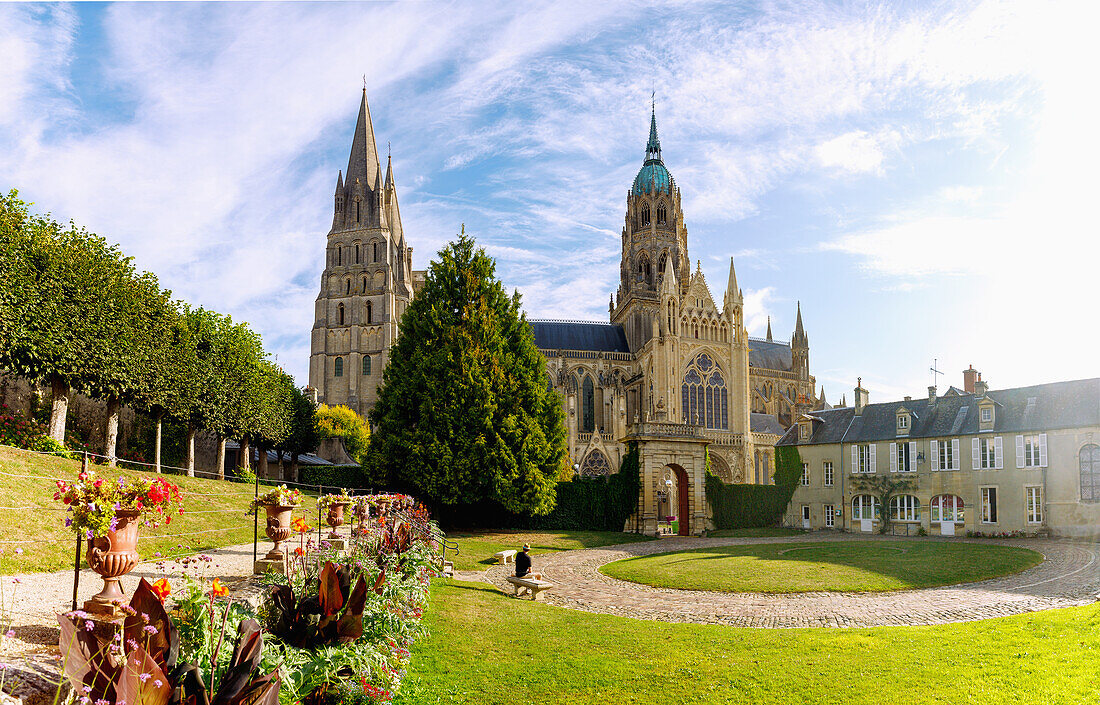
653,235
367,282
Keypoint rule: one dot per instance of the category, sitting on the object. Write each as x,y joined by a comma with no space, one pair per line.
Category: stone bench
529,585
506,556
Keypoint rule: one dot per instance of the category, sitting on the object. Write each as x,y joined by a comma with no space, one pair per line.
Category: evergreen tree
464,412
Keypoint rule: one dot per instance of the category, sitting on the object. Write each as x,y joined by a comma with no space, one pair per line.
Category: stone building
672,369
1023,459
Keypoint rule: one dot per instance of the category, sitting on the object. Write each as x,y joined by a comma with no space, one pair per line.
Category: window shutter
975,457
1019,451
871,447
912,454
1042,450
998,453
893,457
855,458
955,459
934,451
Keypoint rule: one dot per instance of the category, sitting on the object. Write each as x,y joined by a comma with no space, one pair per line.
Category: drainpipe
843,472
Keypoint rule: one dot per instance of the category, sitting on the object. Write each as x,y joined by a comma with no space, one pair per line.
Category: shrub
750,506
349,476
341,422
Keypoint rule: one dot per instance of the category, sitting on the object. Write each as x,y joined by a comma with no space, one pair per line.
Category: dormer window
803,431
987,414
903,422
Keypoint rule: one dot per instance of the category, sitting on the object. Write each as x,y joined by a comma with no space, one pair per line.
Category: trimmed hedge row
349,477
750,506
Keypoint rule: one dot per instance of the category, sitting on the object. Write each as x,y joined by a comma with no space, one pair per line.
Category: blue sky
921,176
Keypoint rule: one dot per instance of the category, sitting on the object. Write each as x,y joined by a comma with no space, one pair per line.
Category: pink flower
19,551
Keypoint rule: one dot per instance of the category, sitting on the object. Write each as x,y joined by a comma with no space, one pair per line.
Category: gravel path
1069,576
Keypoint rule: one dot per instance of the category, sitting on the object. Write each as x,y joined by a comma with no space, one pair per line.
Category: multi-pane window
905,507
989,505
945,454
946,507
705,399
366,364
903,422
864,506
1034,497
588,405
1089,458
828,468
863,458
338,367
805,474
1031,451
902,459
987,453
828,510
987,415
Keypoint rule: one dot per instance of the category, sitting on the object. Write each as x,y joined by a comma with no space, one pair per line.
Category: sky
920,176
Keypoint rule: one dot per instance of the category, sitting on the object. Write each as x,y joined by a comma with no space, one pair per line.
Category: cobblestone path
1069,576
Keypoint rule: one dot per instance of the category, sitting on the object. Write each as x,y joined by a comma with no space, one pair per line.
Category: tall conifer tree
465,413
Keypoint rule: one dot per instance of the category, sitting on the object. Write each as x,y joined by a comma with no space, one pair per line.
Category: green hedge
349,477
583,503
750,506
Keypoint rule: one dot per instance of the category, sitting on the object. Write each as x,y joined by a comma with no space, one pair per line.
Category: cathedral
670,370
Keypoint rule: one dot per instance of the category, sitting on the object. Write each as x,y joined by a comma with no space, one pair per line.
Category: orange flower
161,588
217,589
299,552
301,526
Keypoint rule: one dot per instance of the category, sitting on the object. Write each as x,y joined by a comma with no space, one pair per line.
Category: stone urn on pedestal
113,556
360,510
335,517
278,530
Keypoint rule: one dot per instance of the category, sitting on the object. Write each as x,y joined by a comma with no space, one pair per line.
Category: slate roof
765,423
1042,407
769,355
579,335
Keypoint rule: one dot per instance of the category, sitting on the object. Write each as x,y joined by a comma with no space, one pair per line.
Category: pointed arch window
365,281
340,314
645,214
661,264
338,367
366,364
339,255
374,258
347,287
370,313
662,214
704,397
357,253
588,405
595,464
357,210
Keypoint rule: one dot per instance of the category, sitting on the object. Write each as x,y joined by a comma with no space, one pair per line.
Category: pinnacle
769,329
363,162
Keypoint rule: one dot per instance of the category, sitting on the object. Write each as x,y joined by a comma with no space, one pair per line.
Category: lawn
863,566
756,533
476,548
214,514
490,649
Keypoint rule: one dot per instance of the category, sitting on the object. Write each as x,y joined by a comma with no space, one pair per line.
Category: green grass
489,649
864,566
476,548
756,533
38,525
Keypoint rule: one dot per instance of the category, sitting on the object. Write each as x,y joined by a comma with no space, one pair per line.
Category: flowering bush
278,497
21,432
341,497
93,502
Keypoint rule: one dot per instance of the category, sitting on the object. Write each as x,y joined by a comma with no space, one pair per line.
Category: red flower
217,589
161,588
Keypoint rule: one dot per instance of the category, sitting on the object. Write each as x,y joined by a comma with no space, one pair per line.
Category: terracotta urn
278,528
113,556
360,510
335,517
383,503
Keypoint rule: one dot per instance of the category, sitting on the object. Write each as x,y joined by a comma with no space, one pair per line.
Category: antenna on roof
934,371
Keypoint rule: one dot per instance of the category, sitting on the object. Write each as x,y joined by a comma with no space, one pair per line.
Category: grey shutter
975,458
934,451
1019,451
893,457
1042,450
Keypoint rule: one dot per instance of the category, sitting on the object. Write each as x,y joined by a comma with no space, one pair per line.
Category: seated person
523,565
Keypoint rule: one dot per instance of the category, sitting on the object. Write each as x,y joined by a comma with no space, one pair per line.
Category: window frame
829,511
988,509
338,367
1093,471
905,508
874,506
936,506
1033,504
805,479
827,472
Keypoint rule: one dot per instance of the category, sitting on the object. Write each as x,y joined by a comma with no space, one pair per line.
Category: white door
947,528
805,516
865,525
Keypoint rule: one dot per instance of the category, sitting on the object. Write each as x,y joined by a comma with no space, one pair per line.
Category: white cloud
854,152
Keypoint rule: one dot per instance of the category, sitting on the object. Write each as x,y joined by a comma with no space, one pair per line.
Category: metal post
76,562
320,489
84,468
255,521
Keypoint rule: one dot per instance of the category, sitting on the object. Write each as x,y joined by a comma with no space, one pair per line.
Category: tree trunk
60,408
279,464
261,469
244,457
190,462
156,447
110,441
293,467
221,457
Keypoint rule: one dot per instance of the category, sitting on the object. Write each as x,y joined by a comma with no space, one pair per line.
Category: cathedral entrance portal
670,452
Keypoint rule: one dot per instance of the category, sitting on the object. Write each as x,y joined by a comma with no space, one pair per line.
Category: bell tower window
340,314
662,215
370,316
357,253
357,210
645,214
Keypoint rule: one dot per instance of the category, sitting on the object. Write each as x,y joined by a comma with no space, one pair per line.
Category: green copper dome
653,176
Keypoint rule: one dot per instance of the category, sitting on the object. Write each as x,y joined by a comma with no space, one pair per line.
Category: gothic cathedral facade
668,354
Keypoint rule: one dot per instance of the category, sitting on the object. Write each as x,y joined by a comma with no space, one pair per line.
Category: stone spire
653,147
769,329
799,338
733,292
363,164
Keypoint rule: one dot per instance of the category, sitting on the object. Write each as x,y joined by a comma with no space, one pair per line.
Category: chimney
931,394
908,398
861,398
969,377
980,387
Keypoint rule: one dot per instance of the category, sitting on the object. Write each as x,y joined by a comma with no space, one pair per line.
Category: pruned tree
884,488
464,413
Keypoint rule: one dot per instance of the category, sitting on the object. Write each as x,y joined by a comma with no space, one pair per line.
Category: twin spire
653,147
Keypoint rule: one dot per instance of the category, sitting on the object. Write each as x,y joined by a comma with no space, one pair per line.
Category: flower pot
335,517
113,556
278,528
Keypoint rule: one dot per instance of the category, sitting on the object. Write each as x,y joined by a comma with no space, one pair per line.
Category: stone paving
1069,576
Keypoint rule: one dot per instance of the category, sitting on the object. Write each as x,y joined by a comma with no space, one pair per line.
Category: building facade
1025,459
673,368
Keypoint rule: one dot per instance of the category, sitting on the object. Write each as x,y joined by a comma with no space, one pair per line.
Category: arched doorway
683,503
